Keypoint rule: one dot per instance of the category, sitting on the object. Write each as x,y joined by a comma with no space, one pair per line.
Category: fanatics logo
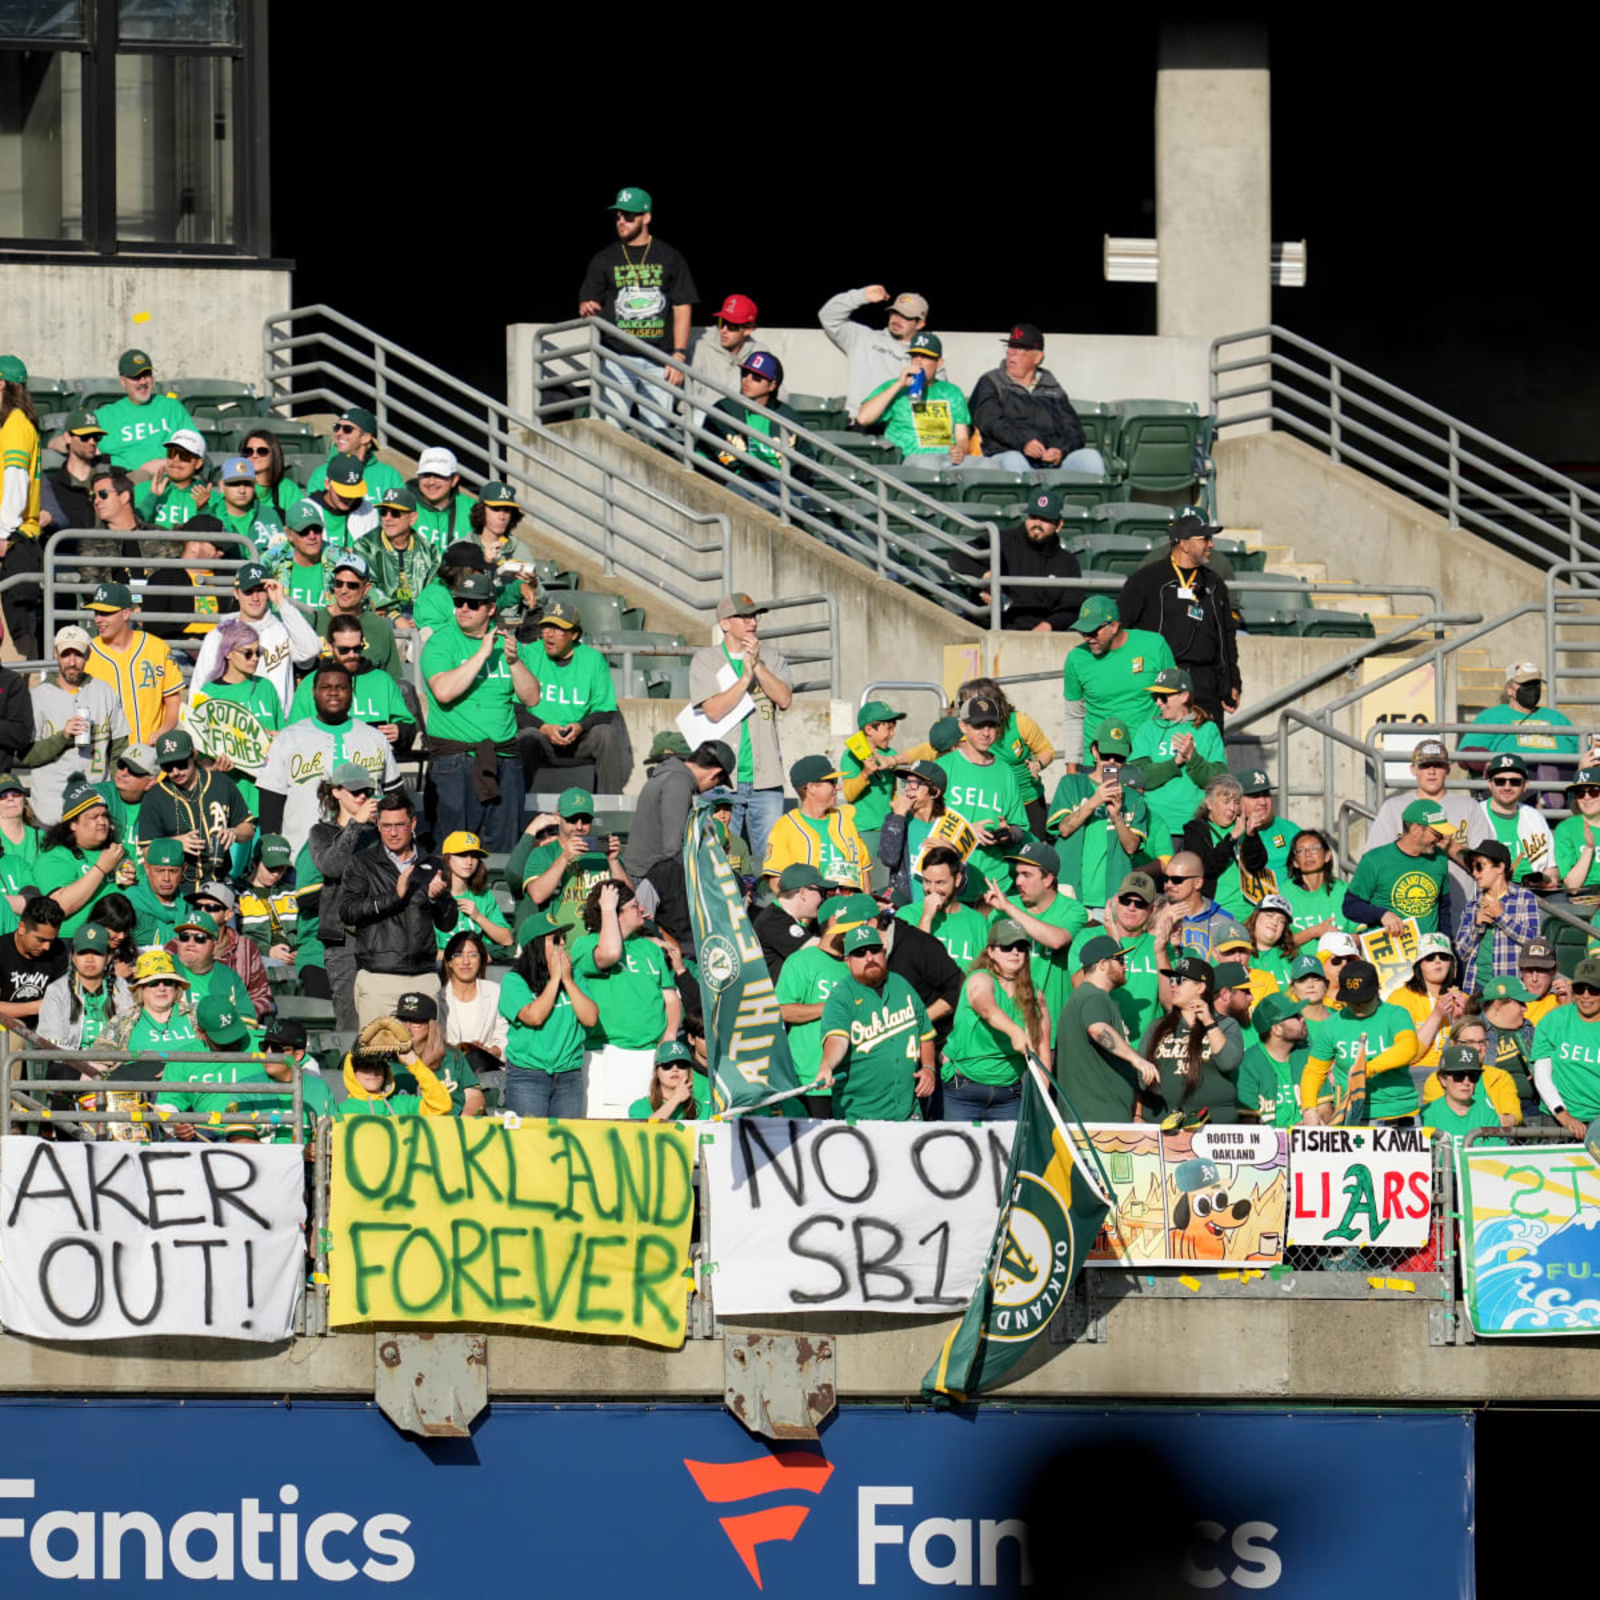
783,1471
1138,663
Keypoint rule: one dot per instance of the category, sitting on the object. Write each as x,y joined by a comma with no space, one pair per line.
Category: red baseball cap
739,309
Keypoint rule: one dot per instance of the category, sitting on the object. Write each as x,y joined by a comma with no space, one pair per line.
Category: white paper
698,729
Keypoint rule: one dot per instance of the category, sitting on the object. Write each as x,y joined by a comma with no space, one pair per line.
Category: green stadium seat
1571,943
1134,517
88,394
1162,445
1315,624
639,639
295,436
667,683
553,576
872,448
54,393
999,491
598,613
633,619
49,460
1120,553
1280,624
1102,431
819,414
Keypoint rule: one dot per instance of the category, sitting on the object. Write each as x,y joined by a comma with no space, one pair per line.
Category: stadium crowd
205,812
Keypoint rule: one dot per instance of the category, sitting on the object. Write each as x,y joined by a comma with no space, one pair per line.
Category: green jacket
397,577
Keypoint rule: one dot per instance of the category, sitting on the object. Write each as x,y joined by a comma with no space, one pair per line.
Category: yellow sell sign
582,1226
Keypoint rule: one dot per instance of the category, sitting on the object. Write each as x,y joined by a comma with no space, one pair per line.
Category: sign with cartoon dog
1212,1197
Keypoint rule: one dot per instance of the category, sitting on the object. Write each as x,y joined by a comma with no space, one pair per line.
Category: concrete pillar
1213,179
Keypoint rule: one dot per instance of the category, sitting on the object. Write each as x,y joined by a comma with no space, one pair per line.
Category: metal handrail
570,489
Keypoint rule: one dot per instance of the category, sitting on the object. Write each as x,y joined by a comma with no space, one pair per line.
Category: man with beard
1033,549
1109,674
79,723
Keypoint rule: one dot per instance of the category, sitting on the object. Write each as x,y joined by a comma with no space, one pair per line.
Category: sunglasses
1339,961
349,649
472,605
102,494
1015,949
196,938
1506,780
345,427
347,583
1463,1077
210,907
1432,955
177,766
393,511
256,450
1179,877
1131,900
252,653
1584,988
1585,793
161,983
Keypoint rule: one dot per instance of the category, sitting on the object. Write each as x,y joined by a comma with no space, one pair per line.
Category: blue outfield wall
163,1497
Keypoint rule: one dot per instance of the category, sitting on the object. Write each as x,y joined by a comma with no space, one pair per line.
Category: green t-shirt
962,930
631,995
222,1074
1052,969
571,689
1217,1092
137,434
374,698
883,1031
1138,999
1116,684
1016,752
487,710
485,901
745,763
979,1051
1174,804
174,1036
259,524
56,868
1573,1048
172,507
1278,837
454,1073
872,804
566,905
1410,886
222,981
1269,1089
1569,846
700,1085
1099,1086
1529,733
556,1045
1441,1116
1312,907
986,796
808,977
926,424
308,585
443,526
1338,1040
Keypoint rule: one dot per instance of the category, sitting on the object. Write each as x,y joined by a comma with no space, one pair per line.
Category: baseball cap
174,746
1305,967
305,514
415,1007
85,424
1231,975
1428,812
351,561
980,712
1191,526
140,758
909,305
437,462
1046,505
213,889
134,364
237,469
462,843
164,853
1587,970
398,495
561,612
945,734
72,637
1433,944
252,575
930,772
671,1051
1254,781
1006,930
1455,1059
1038,854
1524,672
738,605
93,936
878,711
284,1033
347,477
13,370
110,597
799,876
353,776
575,803
811,769
496,494
1586,776
1275,1008
1024,336
187,440
1102,947
1229,932
1111,737
1358,983
361,417
1172,680
925,343
473,586
1491,850
739,309
275,850
1430,753
764,365
1338,943
1193,968
1141,884
669,742
1275,902
1538,955
725,757
1506,761
220,1021
632,200
1505,989
1095,613
866,937
11,784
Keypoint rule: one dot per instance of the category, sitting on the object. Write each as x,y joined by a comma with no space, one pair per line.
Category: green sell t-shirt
171,508
556,1045
978,1050
174,1036
808,977
1573,1048
374,698
960,929
1173,804
1100,1087
1052,969
1116,684
1338,1040
1310,908
631,995
745,765
137,434
487,710
221,981
571,689
309,585
883,1030
986,796
1269,1089
58,867
1410,886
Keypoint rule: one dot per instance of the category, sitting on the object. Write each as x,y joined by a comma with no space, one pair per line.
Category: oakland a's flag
1055,1208
747,1049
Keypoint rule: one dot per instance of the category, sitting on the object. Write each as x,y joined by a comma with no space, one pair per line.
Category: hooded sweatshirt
433,1100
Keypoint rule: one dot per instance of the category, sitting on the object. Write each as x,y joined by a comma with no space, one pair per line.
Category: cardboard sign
1360,1186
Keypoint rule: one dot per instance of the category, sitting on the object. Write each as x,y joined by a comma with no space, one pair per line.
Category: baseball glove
387,1036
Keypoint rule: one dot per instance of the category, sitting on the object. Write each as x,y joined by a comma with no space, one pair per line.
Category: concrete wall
1089,366
198,321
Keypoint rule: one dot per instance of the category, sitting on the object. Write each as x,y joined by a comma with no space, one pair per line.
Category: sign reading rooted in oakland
582,1226
1360,1186
111,1241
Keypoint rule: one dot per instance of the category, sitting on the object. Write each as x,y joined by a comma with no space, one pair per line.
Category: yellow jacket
792,843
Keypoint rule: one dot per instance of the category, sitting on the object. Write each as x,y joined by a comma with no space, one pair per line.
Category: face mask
1527,695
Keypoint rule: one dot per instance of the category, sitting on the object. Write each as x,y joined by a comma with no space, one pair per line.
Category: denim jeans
755,815
966,1101
457,807
1085,460
531,1093
624,379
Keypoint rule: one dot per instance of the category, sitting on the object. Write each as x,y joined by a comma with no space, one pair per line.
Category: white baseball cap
1524,672
1338,944
436,461
188,439
72,637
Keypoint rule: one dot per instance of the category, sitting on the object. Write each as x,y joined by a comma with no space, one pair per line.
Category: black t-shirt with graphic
637,287
25,978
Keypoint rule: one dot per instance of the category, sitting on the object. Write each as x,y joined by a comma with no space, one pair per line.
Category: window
41,145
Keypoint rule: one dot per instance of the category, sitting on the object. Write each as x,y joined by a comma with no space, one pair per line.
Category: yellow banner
582,1226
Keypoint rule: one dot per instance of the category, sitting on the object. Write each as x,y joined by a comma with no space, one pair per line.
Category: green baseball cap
671,1051
347,477
1046,505
561,612
1255,781
252,575
1102,947
931,774
398,495
1141,884
1505,989
497,494
1588,777
1275,1008
174,747
134,364
811,769
1231,975
164,853
306,514
1587,971
575,803
669,742
632,200
945,734
85,425
799,876
878,711
110,597
1306,967
1172,680
1506,761
1095,613
474,586
353,776
1038,854
13,370
93,936
275,850
220,1021
361,417
866,937
1006,930
926,344
1195,1174
1428,812
1111,738
1455,1059
536,925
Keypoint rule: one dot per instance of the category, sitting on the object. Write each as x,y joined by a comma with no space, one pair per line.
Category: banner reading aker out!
582,1226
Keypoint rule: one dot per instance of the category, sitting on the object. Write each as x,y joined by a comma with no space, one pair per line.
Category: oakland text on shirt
309,768
885,1024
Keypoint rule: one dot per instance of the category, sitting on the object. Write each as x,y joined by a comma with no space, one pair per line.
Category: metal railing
1457,470
313,356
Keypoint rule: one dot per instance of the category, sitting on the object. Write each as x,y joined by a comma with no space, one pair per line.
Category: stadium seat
1134,517
869,447
220,399
667,683
1102,431
1318,624
293,435
88,394
819,415
1163,446
598,613
997,490
1122,553
49,393
553,576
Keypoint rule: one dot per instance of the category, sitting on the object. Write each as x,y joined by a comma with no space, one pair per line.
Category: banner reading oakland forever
582,1226
747,1049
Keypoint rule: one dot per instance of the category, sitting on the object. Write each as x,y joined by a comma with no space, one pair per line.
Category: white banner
880,1216
1360,1186
114,1241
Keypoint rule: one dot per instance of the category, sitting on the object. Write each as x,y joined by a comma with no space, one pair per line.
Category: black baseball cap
1358,983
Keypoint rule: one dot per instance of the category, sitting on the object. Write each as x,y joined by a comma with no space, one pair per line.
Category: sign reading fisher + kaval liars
1530,1239
1212,1197
1360,1186
111,1241
582,1226
870,1216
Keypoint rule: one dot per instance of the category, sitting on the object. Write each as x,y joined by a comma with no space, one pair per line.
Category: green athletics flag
1054,1209
747,1049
